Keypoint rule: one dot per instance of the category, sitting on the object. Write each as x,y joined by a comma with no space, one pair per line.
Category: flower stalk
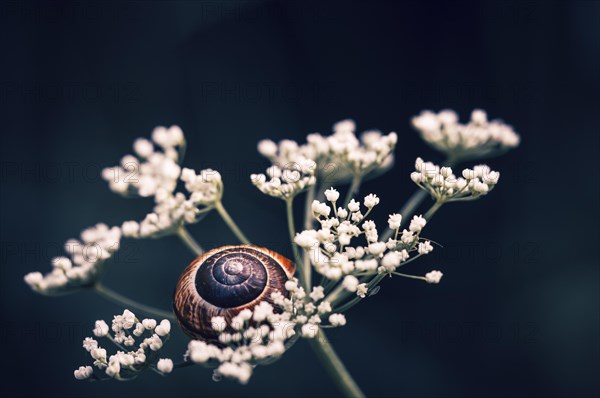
230,223
126,302
189,241
304,270
335,367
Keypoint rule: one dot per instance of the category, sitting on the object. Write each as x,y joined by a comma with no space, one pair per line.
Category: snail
225,281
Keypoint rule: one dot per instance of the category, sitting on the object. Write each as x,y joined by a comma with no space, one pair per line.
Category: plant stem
189,241
348,305
409,276
308,224
353,188
127,302
230,223
310,196
334,366
432,210
304,272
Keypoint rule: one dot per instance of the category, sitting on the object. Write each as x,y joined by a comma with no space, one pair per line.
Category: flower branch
339,241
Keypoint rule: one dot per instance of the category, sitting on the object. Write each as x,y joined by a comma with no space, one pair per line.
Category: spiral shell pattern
223,282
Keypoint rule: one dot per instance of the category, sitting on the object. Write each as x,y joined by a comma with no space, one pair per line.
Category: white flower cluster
252,337
157,174
479,138
342,154
127,363
151,170
443,185
288,181
84,263
261,335
175,209
307,311
330,248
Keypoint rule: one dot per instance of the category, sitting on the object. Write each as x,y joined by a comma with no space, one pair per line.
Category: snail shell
225,281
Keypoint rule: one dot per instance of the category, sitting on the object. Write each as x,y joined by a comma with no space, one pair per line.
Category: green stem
353,188
181,152
129,303
310,197
308,224
304,272
230,223
348,305
432,210
336,295
409,276
189,241
334,366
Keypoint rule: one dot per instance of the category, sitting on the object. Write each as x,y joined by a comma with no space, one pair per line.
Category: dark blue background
517,313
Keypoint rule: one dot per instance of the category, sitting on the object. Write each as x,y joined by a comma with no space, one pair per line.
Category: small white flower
468,174
164,328
225,338
89,344
307,239
155,343
84,372
350,283
165,365
417,224
377,248
98,354
362,290
480,187
267,148
425,247
33,279
320,209
479,116
332,195
139,329
324,307
446,172
218,323
394,221
342,213
130,228
357,216
262,311
353,206
143,147
114,367
309,330
491,178
337,319
245,314
317,293
416,177
149,324
433,277
125,359
291,285
371,201
100,329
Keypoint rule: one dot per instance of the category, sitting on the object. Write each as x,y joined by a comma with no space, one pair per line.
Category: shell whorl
223,282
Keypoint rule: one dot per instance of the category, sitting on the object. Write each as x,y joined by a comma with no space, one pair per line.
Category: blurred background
517,313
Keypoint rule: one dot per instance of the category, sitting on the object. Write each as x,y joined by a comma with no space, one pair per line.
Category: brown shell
194,312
